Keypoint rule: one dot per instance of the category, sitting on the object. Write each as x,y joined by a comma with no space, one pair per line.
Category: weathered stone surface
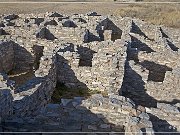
44,33
2,24
111,55
69,23
51,22
55,14
65,101
168,108
11,17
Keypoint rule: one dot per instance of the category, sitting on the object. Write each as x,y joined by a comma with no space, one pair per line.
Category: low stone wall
111,54
36,93
153,57
95,114
6,90
6,57
68,34
103,70
167,58
165,117
119,111
15,57
108,67
169,87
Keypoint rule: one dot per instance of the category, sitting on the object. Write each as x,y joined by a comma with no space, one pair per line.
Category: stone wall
15,57
117,55
169,87
95,114
36,93
6,57
162,124
85,68
155,57
119,111
6,90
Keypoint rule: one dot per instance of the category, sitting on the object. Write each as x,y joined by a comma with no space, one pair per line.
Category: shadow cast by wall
136,46
133,85
136,43
162,126
133,88
164,35
66,75
3,32
38,52
93,14
72,120
90,37
86,56
107,24
23,59
69,23
51,22
135,29
22,64
172,46
77,120
68,47
38,21
156,71
80,20
45,33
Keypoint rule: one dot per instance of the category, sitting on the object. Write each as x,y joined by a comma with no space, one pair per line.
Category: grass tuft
62,91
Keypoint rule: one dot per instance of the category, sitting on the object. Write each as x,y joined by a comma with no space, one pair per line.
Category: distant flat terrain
66,8
159,14
54,0
87,0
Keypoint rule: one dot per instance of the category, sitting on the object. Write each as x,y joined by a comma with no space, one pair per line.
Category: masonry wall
153,60
121,112
6,57
68,34
36,93
6,87
137,59
104,70
6,108
15,58
168,90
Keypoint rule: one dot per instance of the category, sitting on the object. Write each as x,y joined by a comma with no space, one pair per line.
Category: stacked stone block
112,54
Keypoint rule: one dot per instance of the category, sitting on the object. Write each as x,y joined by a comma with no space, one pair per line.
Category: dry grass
87,0
62,91
159,14
159,0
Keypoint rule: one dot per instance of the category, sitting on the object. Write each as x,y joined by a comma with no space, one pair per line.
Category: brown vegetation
159,14
62,91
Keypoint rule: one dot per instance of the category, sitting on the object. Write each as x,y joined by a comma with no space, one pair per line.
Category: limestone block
107,35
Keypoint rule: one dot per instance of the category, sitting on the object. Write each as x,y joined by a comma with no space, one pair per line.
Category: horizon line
79,2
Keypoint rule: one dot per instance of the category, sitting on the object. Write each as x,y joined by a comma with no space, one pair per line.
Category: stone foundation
123,57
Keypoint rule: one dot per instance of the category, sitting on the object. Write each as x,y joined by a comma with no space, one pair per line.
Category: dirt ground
160,14
67,8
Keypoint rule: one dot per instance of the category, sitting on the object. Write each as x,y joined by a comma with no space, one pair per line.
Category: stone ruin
135,63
